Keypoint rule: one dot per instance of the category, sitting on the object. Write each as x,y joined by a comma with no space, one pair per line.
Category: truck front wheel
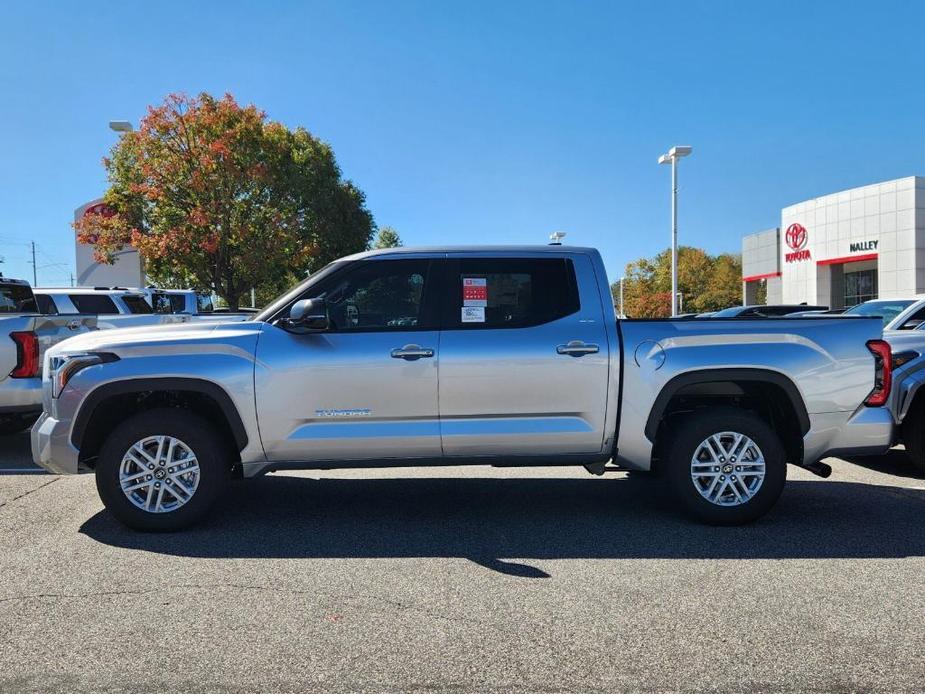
161,470
726,466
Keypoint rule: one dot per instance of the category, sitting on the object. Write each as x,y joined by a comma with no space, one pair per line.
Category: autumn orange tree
708,283
217,197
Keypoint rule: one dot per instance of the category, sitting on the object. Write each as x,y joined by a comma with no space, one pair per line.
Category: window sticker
475,292
473,314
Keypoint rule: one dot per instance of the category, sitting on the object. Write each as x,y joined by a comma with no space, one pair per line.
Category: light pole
622,312
121,126
671,157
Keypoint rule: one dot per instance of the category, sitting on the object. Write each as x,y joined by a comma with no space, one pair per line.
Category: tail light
883,373
27,355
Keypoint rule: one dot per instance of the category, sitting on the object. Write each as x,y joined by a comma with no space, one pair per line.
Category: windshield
887,309
728,312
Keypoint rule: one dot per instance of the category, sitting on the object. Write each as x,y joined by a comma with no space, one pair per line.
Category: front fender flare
141,385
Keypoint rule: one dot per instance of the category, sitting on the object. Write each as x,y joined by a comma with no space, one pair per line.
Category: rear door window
99,304
491,293
46,305
204,303
136,304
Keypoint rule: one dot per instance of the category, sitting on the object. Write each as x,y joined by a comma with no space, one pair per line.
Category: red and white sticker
475,291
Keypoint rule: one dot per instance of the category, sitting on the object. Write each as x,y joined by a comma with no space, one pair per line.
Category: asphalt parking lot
466,579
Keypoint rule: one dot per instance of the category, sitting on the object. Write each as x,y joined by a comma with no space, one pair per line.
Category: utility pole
35,274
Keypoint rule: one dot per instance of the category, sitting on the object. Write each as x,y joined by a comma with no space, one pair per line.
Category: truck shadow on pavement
893,462
487,519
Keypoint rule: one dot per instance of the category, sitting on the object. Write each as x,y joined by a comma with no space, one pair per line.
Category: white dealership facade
841,249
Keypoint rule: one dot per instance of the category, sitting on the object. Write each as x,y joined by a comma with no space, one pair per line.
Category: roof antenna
555,238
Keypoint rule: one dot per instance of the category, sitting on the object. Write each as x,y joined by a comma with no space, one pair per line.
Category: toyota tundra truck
506,356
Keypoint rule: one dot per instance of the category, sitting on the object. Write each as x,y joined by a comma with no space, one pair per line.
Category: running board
601,468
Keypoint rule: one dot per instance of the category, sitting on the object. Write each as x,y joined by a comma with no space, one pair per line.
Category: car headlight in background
901,358
64,367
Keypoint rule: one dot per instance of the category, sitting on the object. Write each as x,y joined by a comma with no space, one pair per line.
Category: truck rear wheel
726,466
914,437
162,470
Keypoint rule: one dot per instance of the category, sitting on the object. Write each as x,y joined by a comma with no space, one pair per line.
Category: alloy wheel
159,474
727,468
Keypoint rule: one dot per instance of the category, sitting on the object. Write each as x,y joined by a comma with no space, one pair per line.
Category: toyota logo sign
796,237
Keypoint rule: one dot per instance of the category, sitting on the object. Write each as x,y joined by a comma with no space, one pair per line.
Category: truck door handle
577,348
412,352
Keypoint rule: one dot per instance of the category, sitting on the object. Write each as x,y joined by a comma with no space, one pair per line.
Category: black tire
15,423
913,432
196,434
684,441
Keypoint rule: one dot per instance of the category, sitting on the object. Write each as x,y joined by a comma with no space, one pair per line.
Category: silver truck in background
24,338
907,395
445,356
114,307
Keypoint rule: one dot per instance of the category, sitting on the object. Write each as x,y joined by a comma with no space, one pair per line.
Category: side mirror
309,314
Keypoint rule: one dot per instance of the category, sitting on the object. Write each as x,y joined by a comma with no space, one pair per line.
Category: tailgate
9,324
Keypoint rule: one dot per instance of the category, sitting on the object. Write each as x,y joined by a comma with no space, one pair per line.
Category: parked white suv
906,313
114,308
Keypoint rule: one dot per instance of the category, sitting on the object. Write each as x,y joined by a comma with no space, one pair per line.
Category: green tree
708,283
387,238
217,197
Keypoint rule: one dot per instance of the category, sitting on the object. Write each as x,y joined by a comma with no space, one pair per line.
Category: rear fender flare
725,376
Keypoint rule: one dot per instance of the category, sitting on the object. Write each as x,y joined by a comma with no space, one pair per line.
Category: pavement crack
395,604
41,486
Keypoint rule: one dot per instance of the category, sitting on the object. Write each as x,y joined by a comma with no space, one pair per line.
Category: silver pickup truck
907,396
24,337
501,356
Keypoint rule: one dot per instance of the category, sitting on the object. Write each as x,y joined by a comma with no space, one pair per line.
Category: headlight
64,367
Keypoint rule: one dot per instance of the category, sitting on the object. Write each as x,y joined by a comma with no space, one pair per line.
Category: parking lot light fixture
121,126
671,157
622,312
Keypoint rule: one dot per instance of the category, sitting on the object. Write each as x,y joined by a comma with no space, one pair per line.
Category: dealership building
841,249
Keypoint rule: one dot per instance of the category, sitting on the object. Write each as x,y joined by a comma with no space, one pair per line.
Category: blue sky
484,121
